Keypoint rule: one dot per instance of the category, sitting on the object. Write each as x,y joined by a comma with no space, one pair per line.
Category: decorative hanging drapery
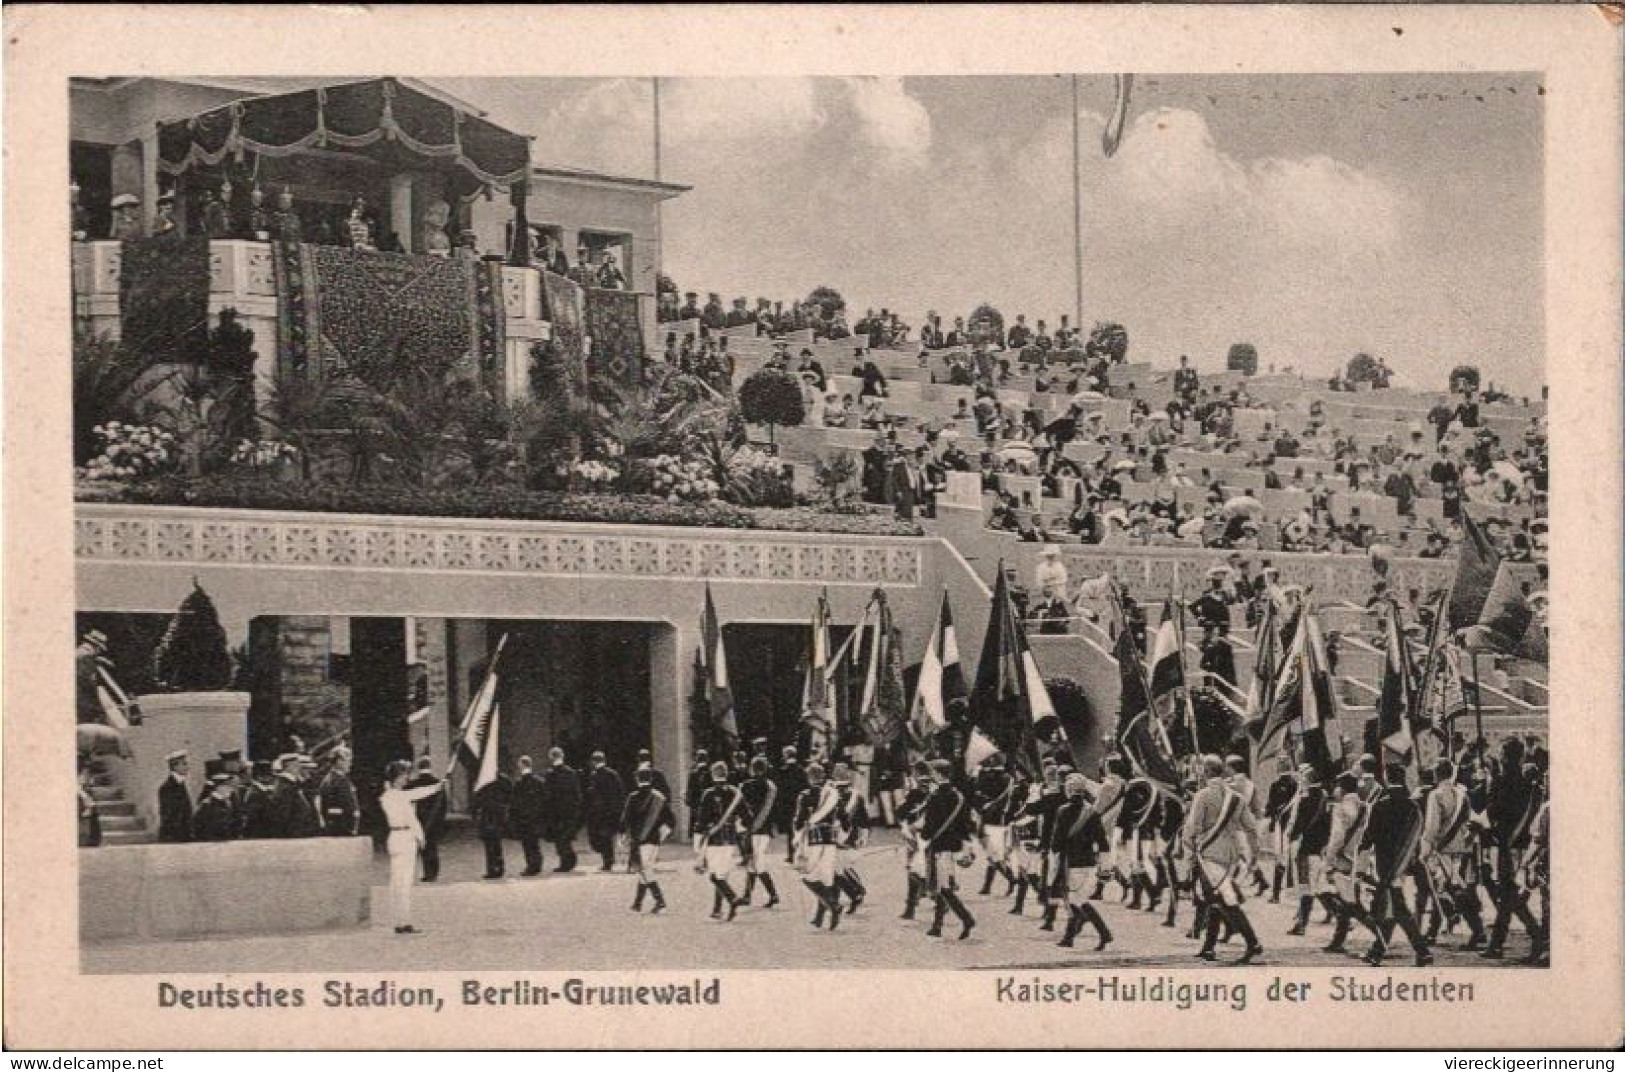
379,117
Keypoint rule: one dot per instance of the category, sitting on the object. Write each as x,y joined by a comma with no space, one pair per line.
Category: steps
120,823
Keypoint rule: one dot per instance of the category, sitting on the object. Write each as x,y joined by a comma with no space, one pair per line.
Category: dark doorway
767,669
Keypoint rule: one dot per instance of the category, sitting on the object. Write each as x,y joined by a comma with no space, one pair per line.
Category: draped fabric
380,117
374,315
617,334
164,298
564,312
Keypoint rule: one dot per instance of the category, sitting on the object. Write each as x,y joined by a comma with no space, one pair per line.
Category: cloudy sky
1312,215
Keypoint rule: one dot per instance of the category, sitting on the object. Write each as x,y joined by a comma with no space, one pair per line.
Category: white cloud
891,120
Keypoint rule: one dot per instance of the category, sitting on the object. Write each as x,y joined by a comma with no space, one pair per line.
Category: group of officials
293,797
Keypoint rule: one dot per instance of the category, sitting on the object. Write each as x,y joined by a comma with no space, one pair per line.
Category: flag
817,700
715,658
1112,136
1476,566
1138,734
1395,702
1009,701
489,759
1261,690
881,712
1167,662
941,679
977,749
477,733
1281,695
1317,702
1506,620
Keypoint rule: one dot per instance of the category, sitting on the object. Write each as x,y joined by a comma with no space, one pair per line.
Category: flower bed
246,492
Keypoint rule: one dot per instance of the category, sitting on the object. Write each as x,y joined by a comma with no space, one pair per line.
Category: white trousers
403,860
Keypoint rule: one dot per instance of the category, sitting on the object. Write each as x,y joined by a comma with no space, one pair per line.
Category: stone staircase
120,823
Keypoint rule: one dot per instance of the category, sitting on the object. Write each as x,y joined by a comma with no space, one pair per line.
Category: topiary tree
1463,378
772,397
985,322
192,656
1243,358
1362,368
664,284
1108,339
828,300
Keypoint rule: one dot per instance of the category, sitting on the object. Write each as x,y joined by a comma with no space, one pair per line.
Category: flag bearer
945,826
761,794
718,820
646,821
1081,839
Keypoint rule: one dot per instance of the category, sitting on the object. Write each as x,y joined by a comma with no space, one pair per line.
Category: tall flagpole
1077,217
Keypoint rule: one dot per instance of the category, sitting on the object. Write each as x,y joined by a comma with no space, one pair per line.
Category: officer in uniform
792,782
713,316
1109,803
526,814
1219,838
1512,804
1050,890
656,775
908,819
992,792
814,837
254,803
719,818
646,822
1170,821
1026,856
1136,836
431,812
215,818
292,813
946,831
605,798
1080,837
691,306
761,795
561,809
1393,835
699,780
852,831
1282,791
1212,608
492,802
336,799
174,801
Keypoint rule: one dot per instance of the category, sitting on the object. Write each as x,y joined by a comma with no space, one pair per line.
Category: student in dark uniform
691,307
1511,806
1393,834
814,837
604,800
1212,607
656,775
792,782
852,831
909,812
491,804
1051,891
336,799
254,804
1170,819
991,793
431,811
174,802
719,818
761,795
945,828
526,814
646,821
1282,791
1308,824
1136,835
216,815
1218,656
699,780
561,809
1080,839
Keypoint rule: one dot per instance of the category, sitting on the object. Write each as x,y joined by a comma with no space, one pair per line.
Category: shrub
192,656
130,452
1362,368
772,397
1243,358
834,477
1464,378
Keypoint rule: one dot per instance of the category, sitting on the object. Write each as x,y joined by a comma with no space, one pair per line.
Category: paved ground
581,921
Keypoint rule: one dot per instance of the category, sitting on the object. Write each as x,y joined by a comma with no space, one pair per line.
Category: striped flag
1009,701
476,738
1139,734
1317,706
882,711
1112,136
1167,664
977,749
715,659
1477,563
489,760
941,679
1396,701
817,700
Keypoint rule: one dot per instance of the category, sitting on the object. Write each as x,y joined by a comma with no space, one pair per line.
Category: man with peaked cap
164,222
1108,803
336,799
699,780
1212,607
1136,840
815,839
292,813
656,775
604,799
713,316
1308,827
739,315
646,821
791,779
945,830
1393,834
762,810
1081,838
1219,838
561,809
254,820
719,818
175,801
691,306
431,811
216,815
126,224
1051,890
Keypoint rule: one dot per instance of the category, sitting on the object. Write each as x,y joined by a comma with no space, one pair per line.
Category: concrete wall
223,888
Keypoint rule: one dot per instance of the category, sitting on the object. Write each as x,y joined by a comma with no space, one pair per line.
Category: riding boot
1010,879
1092,916
966,920
818,895
1049,915
987,881
1135,882
1100,888
1021,898
1329,903
1301,920
767,884
716,899
637,902
1275,888
913,897
728,897
1210,933
1341,934
1244,927
750,885
660,899
1074,924
858,888
939,909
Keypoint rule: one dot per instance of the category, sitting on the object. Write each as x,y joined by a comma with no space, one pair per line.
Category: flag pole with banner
715,658
941,680
476,725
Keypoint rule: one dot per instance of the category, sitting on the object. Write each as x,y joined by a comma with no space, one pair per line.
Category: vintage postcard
828,527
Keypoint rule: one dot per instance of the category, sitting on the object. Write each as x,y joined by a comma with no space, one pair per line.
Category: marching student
1308,825
909,813
1026,853
1136,834
398,805
1220,840
851,833
646,822
814,839
1448,855
946,826
761,795
1081,838
993,791
718,819
1109,804
1348,822
1050,892
1393,833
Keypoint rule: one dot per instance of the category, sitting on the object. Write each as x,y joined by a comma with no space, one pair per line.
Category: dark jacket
1309,820
1079,835
431,809
254,812
605,798
719,815
174,811
791,780
491,805
214,820
562,810
761,804
1392,832
340,810
527,809
292,815
946,822
646,811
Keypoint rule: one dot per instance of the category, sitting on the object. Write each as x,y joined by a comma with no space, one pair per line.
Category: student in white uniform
405,836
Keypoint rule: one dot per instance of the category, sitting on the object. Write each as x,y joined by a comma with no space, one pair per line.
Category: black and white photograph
1037,525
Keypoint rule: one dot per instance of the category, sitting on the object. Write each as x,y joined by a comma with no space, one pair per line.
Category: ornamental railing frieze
107,533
